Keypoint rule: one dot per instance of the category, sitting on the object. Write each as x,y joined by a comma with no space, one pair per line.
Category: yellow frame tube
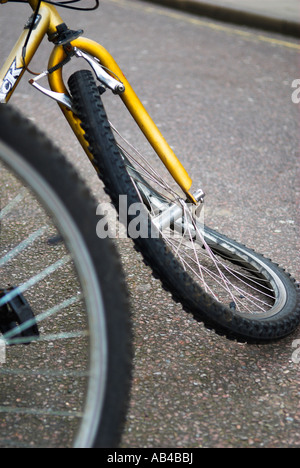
132,103
16,53
49,20
48,23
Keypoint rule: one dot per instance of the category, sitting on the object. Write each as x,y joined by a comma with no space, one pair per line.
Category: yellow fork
131,101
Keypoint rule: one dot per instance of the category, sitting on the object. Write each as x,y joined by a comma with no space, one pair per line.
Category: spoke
22,246
239,278
216,272
34,280
45,373
236,273
147,175
215,277
44,338
39,318
210,253
226,280
40,412
195,253
150,168
12,204
150,171
200,275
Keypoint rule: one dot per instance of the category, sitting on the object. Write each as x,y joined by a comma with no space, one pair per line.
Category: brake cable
63,4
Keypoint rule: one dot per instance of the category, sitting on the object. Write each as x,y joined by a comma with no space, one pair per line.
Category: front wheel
229,287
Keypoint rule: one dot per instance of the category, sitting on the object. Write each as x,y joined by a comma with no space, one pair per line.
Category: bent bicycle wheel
229,287
65,335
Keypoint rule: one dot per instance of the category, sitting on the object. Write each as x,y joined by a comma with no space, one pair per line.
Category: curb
234,16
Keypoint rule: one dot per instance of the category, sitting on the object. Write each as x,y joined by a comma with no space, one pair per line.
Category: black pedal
15,313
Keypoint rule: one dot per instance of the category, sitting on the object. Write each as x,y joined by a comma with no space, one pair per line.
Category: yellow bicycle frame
13,70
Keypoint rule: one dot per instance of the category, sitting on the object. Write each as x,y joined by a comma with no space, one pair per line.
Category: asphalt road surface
222,96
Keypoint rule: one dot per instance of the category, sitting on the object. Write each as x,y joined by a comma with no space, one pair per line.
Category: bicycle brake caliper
115,85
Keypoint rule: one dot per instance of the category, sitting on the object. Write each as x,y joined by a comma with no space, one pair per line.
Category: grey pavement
282,16
223,100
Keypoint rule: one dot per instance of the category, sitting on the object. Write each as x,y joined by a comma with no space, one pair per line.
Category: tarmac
279,16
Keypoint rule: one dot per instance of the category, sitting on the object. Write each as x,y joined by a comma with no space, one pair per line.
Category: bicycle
230,288
65,360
